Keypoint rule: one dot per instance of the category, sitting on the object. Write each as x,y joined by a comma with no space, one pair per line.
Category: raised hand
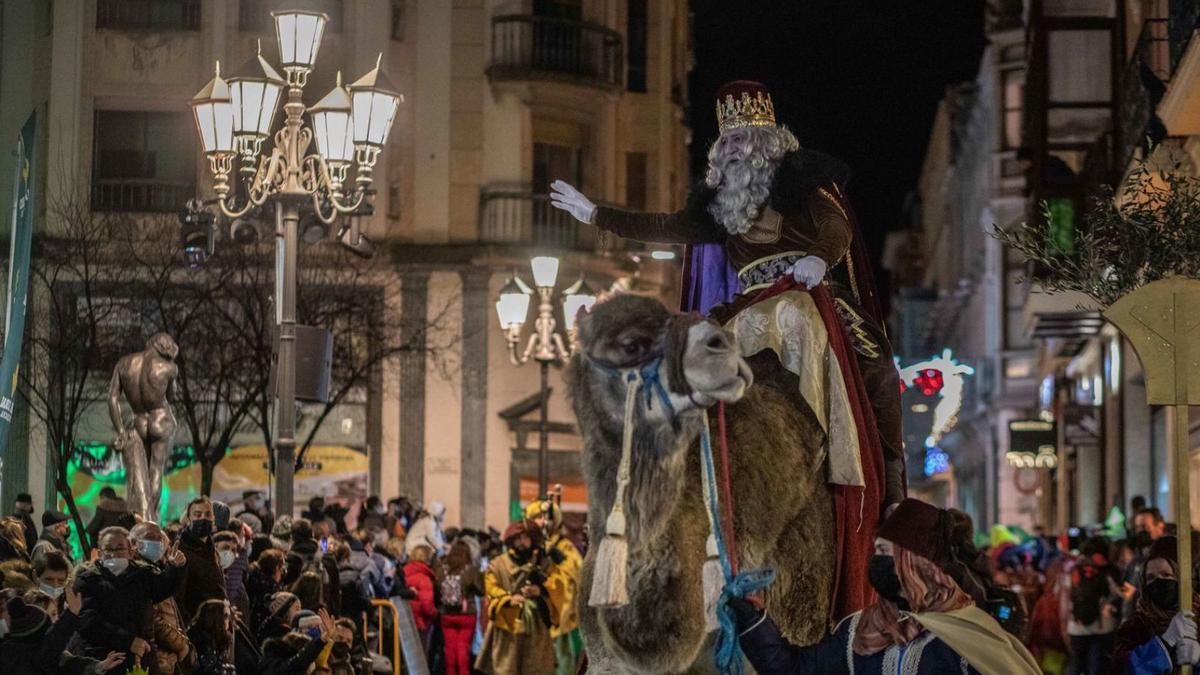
326,621
174,556
74,600
564,196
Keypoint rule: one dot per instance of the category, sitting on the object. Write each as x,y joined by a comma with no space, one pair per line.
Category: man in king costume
775,256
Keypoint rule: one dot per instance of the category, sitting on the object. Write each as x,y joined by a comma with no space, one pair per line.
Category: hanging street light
234,118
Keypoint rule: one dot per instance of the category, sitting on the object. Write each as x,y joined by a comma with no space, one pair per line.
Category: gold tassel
612,557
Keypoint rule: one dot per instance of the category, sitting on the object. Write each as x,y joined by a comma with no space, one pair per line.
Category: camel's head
698,361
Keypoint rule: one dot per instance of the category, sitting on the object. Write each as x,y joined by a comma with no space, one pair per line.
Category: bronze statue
145,378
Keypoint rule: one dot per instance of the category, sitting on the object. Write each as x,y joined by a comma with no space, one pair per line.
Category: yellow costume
563,582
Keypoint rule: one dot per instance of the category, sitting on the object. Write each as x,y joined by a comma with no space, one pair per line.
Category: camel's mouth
713,365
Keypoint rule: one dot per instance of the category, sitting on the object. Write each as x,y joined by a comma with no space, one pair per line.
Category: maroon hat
920,527
519,527
744,103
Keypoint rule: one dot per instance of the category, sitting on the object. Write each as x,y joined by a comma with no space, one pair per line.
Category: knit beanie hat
24,619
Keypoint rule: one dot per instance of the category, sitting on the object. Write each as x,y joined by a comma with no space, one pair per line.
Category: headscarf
927,589
1148,620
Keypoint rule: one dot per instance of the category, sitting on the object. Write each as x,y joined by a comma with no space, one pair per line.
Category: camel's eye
633,346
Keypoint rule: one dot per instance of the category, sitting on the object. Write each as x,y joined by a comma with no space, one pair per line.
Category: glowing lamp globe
299,35
214,115
254,92
580,296
513,305
333,127
375,100
545,271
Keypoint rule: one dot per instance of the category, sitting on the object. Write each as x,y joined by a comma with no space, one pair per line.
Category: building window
635,180
255,15
553,162
636,33
398,20
1012,92
142,161
148,14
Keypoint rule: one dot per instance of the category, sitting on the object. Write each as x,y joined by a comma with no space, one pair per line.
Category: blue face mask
151,550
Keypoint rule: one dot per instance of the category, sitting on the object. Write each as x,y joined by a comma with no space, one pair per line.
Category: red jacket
420,578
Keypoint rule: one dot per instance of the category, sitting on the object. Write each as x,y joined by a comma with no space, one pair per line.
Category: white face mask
52,591
226,557
116,565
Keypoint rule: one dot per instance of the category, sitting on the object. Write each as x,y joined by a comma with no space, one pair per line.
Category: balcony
528,47
528,219
157,15
134,195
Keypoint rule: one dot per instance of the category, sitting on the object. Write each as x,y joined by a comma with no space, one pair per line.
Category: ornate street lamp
235,117
545,344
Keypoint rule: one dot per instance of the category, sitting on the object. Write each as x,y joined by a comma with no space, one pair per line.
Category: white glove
1187,651
1181,627
567,198
809,271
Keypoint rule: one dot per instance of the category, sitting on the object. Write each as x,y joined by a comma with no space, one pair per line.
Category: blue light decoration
936,461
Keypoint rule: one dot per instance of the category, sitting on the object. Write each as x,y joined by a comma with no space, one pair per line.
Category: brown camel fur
783,507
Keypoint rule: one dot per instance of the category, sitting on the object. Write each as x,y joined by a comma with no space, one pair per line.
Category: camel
783,508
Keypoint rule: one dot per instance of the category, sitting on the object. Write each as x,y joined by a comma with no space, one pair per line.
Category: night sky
857,79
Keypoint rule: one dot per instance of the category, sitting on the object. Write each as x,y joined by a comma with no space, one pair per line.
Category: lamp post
234,119
545,344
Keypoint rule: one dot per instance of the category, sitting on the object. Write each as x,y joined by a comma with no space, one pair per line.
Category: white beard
743,187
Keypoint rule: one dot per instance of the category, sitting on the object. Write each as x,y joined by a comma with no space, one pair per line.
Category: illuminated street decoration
944,376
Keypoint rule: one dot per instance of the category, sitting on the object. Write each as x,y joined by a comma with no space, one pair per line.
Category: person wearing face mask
518,641
23,511
234,565
921,622
56,527
1157,637
173,652
203,578
119,592
50,572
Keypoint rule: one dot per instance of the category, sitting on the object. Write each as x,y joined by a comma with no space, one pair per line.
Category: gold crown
745,111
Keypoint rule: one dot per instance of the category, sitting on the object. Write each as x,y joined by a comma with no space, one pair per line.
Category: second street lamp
234,119
545,344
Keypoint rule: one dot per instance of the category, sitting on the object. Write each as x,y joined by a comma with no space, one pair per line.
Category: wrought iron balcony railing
136,195
148,14
537,47
528,219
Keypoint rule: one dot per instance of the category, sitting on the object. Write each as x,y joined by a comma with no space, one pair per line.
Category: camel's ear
583,327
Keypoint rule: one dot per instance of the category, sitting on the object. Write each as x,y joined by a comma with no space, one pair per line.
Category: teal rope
728,655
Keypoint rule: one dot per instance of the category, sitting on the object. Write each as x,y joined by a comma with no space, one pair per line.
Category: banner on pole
20,238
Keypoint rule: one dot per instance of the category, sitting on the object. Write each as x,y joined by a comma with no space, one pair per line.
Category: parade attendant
922,622
520,611
35,644
1157,637
563,582
112,510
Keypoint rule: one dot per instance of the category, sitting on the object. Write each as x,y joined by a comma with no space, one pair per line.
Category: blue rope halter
728,655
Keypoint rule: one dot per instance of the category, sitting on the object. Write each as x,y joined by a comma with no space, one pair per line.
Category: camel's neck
658,477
